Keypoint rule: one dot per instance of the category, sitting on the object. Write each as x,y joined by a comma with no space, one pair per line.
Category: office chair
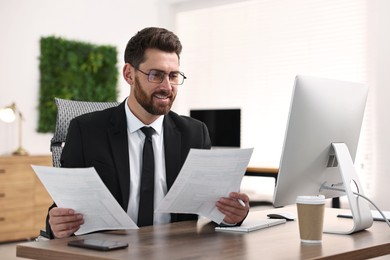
66,111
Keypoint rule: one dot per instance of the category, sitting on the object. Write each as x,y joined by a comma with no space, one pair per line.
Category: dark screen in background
224,125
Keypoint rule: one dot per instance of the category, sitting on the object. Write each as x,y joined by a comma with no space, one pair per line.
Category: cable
372,203
360,195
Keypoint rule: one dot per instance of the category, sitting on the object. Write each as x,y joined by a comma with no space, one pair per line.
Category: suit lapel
172,149
120,151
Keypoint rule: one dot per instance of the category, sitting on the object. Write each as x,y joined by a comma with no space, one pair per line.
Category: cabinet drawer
40,214
42,197
16,173
19,219
15,196
25,160
18,168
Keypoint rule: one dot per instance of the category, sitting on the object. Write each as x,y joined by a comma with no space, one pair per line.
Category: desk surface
263,170
199,240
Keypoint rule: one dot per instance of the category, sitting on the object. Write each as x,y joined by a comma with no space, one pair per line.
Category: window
246,54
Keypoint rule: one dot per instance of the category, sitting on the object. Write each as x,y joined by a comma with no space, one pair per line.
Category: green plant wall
74,70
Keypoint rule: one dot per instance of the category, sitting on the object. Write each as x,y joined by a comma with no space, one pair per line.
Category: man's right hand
64,222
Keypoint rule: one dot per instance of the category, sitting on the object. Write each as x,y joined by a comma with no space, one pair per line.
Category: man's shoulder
194,132
183,121
99,117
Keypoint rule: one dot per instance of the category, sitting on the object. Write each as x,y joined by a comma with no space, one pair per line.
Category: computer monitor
224,125
320,145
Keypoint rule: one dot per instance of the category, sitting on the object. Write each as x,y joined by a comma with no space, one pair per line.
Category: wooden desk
273,172
262,171
199,240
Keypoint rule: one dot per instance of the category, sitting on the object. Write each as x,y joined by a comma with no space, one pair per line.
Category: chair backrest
66,111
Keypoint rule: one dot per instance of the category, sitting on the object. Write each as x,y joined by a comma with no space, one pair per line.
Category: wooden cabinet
23,199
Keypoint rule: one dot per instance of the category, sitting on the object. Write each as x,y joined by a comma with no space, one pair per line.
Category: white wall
379,51
24,22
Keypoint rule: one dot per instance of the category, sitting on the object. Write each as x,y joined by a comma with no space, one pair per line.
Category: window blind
246,54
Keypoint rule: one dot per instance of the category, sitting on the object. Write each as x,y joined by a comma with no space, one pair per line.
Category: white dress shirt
136,142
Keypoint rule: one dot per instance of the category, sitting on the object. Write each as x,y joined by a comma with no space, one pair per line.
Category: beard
147,101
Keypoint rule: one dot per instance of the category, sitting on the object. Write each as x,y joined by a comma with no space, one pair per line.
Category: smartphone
101,245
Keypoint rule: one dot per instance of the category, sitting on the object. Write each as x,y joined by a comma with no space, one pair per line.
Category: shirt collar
134,124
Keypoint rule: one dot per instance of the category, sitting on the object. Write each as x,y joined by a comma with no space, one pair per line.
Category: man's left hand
232,208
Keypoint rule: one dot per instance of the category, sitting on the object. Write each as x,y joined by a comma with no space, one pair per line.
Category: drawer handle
2,195
2,171
2,219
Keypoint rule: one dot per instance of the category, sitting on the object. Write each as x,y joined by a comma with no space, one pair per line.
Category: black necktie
146,199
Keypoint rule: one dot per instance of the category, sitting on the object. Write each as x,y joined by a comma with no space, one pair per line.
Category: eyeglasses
157,76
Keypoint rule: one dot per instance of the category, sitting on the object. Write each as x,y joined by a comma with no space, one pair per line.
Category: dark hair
151,38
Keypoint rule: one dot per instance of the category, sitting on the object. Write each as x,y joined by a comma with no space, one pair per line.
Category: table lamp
8,114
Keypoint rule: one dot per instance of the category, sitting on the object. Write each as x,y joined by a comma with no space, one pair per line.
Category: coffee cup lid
320,199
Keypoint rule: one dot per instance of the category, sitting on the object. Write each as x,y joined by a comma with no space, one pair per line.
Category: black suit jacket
99,140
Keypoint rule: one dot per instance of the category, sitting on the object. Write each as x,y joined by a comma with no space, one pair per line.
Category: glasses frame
162,79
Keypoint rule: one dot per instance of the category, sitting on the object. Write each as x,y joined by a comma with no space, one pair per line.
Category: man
112,140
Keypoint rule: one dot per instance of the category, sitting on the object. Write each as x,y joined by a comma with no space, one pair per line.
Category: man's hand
232,208
64,222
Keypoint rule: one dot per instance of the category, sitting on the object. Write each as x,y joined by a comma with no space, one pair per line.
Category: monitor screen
323,112
224,125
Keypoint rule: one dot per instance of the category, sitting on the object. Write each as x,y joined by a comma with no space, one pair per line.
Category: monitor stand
361,213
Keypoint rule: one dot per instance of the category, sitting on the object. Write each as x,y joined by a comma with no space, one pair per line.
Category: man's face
156,98
157,102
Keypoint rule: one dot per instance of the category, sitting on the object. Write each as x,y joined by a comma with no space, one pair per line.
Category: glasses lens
175,78
156,76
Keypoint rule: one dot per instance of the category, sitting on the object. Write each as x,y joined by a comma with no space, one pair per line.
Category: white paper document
82,189
206,176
